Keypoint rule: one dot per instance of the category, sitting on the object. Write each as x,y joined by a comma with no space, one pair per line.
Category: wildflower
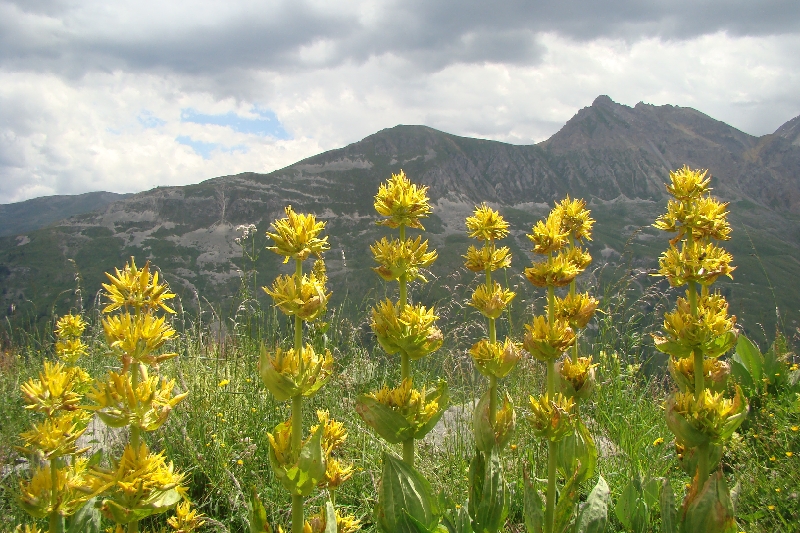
795,428
546,342
296,236
136,288
73,485
409,329
57,389
491,303
772,458
305,297
548,236
486,224
495,359
138,336
402,258
695,263
716,373
771,507
334,433
789,454
577,379
239,462
705,217
186,519
710,329
291,373
487,258
70,350
687,184
402,202
551,418
575,218
223,383
710,418
70,326
658,442
558,270
404,412
577,309
56,436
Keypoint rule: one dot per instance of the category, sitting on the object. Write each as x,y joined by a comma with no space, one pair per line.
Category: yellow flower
486,224
70,327
140,482
336,473
546,343
495,359
711,330
577,379
487,257
57,436
418,407
398,258
795,428
771,507
57,389
70,350
287,373
224,382
711,418
551,418
138,336
296,236
705,217
716,373
147,406
136,288
491,304
687,184
402,202
410,329
308,300
186,519
557,270
334,433
695,262
658,442
548,236
577,309
72,484
575,218
27,529
789,454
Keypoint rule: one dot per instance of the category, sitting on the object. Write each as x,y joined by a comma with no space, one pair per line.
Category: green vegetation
218,435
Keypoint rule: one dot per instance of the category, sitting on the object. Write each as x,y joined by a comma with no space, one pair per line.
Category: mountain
22,217
615,156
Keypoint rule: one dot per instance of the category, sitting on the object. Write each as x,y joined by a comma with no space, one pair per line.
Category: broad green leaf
669,515
749,356
577,450
593,513
533,506
441,393
566,505
710,510
257,515
631,508
301,478
489,497
330,518
404,494
86,520
388,423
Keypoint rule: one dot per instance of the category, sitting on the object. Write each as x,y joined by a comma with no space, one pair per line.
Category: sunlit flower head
695,263
577,309
548,236
291,373
491,303
551,419
138,336
398,258
410,329
705,217
297,236
547,343
495,359
711,330
575,218
334,434
402,202
417,406
56,436
70,327
487,258
577,379
306,299
58,388
687,184
716,373
136,288
709,418
186,519
72,485
486,224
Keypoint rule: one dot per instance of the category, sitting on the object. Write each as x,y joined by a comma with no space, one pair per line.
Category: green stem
550,502
702,464
297,438
298,322
136,369
699,377
492,399
298,520
408,452
55,518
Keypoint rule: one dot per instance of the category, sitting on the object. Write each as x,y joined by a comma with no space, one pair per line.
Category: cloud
265,123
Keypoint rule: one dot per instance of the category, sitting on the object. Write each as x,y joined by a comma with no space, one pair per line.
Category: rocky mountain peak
790,131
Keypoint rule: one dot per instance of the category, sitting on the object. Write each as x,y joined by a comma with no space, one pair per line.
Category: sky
125,96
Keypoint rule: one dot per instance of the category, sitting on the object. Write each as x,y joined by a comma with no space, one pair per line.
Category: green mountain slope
617,157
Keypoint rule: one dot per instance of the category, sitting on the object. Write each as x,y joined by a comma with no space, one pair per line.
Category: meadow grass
218,434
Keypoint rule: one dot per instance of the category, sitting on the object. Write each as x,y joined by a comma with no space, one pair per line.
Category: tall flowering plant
303,464
140,483
403,413
705,411
61,483
555,414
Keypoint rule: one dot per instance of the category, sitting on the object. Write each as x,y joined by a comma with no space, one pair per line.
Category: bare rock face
616,157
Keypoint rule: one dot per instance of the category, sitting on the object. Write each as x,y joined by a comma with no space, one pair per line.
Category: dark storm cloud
72,38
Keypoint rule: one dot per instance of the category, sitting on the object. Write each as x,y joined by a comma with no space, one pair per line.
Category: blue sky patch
149,120
204,149
266,125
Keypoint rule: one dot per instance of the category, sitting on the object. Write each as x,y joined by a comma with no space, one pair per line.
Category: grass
218,435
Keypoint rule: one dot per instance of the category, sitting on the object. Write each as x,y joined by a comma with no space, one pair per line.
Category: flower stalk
696,334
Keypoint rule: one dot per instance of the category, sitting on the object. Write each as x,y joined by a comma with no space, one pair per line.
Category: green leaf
330,518
388,423
86,520
301,478
405,499
593,513
577,450
442,395
710,510
669,516
457,520
489,495
533,506
749,356
566,505
627,508
257,515
482,428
